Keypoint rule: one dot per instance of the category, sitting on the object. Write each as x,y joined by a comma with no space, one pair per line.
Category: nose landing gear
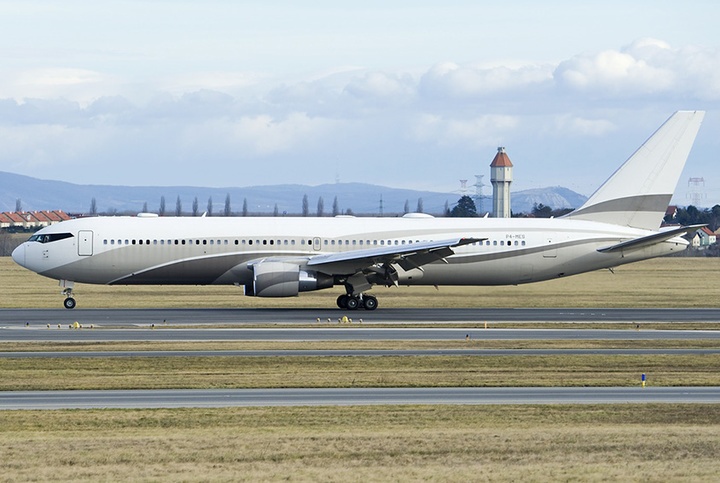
69,302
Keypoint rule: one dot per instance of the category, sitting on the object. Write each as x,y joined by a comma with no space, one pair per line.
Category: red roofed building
5,221
30,220
707,236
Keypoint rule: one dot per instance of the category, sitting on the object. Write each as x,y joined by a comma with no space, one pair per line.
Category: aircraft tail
639,192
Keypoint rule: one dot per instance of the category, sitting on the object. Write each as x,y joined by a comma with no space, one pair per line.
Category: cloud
81,85
256,136
612,73
481,131
82,123
569,124
647,68
382,88
453,81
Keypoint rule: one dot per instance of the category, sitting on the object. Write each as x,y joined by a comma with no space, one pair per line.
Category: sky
409,94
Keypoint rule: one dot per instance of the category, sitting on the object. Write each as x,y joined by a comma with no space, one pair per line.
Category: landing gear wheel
69,303
352,303
370,302
342,301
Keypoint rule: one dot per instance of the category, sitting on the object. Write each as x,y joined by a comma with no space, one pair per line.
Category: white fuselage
220,250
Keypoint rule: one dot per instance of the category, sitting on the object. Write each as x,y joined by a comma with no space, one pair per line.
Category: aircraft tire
342,301
69,303
352,303
370,302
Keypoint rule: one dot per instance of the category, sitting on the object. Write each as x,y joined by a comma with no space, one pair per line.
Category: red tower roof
501,160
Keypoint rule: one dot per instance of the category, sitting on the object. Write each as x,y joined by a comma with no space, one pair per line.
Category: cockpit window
50,237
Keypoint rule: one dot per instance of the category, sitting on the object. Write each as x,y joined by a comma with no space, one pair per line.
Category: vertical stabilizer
639,192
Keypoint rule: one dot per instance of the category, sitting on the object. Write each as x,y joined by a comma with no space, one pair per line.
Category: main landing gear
353,302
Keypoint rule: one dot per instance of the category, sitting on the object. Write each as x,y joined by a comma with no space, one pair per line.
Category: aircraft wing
408,256
648,240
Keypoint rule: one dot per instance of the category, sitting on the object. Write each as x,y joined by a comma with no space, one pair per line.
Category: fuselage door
550,251
316,244
85,243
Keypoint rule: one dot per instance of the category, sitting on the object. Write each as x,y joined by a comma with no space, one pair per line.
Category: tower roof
501,159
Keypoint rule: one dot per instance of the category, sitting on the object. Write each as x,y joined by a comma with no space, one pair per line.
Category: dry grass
666,282
476,343
387,371
447,443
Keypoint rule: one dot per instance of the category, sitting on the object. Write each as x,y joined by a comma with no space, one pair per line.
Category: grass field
390,443
666,282
387,371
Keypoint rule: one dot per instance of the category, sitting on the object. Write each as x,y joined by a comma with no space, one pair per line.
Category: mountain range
38,194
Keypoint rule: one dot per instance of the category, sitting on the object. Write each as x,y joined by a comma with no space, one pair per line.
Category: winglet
639,192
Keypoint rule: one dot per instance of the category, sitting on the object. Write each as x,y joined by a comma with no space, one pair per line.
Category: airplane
281,257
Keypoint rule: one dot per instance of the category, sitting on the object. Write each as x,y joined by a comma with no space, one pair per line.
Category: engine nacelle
284,279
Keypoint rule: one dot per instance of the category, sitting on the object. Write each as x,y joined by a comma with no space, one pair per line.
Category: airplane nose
18,255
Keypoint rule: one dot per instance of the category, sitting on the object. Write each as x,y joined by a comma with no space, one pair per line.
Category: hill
360,198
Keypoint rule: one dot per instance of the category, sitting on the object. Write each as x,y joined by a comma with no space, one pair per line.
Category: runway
146,317
112,325
214,398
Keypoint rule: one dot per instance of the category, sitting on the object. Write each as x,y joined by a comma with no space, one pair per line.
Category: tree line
692,215
305,210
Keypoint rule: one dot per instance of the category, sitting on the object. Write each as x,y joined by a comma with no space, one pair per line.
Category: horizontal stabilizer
653,239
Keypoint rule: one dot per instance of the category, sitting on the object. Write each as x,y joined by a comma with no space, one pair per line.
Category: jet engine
284,279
